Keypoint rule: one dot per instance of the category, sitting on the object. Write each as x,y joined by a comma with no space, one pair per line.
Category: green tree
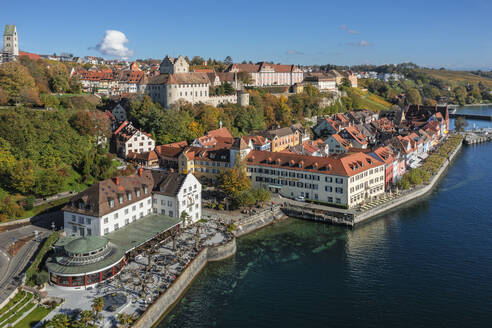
125,320
49,101
4,97
413,96
97,306
58,321
228,60
22,176
261,195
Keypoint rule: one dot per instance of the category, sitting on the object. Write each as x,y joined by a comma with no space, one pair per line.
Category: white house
113,203
131,140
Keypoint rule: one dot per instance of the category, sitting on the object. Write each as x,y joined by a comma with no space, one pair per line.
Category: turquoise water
428,264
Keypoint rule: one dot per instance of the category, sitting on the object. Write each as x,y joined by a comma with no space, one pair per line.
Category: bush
41,278
29,203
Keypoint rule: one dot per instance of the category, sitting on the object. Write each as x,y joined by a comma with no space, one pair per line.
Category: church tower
10,43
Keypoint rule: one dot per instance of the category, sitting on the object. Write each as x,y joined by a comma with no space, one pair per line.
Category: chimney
116,180
140,172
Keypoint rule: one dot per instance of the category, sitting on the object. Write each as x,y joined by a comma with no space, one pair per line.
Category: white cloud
113,44
362,43
348,30
294,52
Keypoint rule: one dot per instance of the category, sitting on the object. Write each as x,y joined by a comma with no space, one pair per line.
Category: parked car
300,198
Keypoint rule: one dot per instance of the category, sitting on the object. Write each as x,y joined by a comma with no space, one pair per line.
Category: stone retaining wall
165,302
418,192
258,222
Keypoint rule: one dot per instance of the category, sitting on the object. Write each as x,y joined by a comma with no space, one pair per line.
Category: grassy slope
458,77
371,101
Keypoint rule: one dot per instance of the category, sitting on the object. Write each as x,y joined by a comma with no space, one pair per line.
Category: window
163,202
127,221
338,201
134,218
81,220
169,203
120,199
106,231
74,218
140,205
137,192
88,221
148,201
116,226
74,229
141,214
126,211
328,179
134,208
339,190
170,213
163,212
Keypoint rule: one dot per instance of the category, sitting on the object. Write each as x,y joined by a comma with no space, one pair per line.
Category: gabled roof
345,165
222,132
95,200
188,78
167,183
343,142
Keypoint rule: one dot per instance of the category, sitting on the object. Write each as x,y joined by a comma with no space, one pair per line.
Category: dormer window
120,198
137,192
111,202
145,189
129,195
81,205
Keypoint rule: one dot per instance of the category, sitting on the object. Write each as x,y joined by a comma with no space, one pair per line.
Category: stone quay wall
165,302
258,221
416,193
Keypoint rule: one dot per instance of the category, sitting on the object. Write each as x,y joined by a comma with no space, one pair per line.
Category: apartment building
342,180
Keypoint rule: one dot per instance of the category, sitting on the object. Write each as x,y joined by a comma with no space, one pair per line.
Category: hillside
457,77
371,101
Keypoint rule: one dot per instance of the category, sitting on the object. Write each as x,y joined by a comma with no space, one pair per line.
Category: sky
454,34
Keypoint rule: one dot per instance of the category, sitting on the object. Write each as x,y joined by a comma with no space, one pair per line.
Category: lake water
477,110
428,264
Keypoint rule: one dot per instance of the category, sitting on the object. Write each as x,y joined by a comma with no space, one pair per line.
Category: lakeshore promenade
352,217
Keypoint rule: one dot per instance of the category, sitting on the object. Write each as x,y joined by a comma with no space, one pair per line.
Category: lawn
14,300
34,317
371,101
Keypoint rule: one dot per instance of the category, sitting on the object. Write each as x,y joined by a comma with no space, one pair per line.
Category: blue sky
435,33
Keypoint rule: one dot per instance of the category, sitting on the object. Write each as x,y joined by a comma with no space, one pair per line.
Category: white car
300,198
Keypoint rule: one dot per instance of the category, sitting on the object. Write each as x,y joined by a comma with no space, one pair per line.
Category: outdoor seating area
150,271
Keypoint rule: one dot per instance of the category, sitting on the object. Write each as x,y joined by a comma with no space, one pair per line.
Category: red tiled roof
30,55
347,165
222,132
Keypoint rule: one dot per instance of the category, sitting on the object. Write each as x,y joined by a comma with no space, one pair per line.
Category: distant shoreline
470,105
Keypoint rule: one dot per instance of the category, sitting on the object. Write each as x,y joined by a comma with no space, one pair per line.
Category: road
11,268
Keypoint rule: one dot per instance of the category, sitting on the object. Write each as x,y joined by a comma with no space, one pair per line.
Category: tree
49,101
413,97
185,218
460,124
15,80
22,177
4,97
235,181
97,306
58,321
228,60
197,60
125,320
261,195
